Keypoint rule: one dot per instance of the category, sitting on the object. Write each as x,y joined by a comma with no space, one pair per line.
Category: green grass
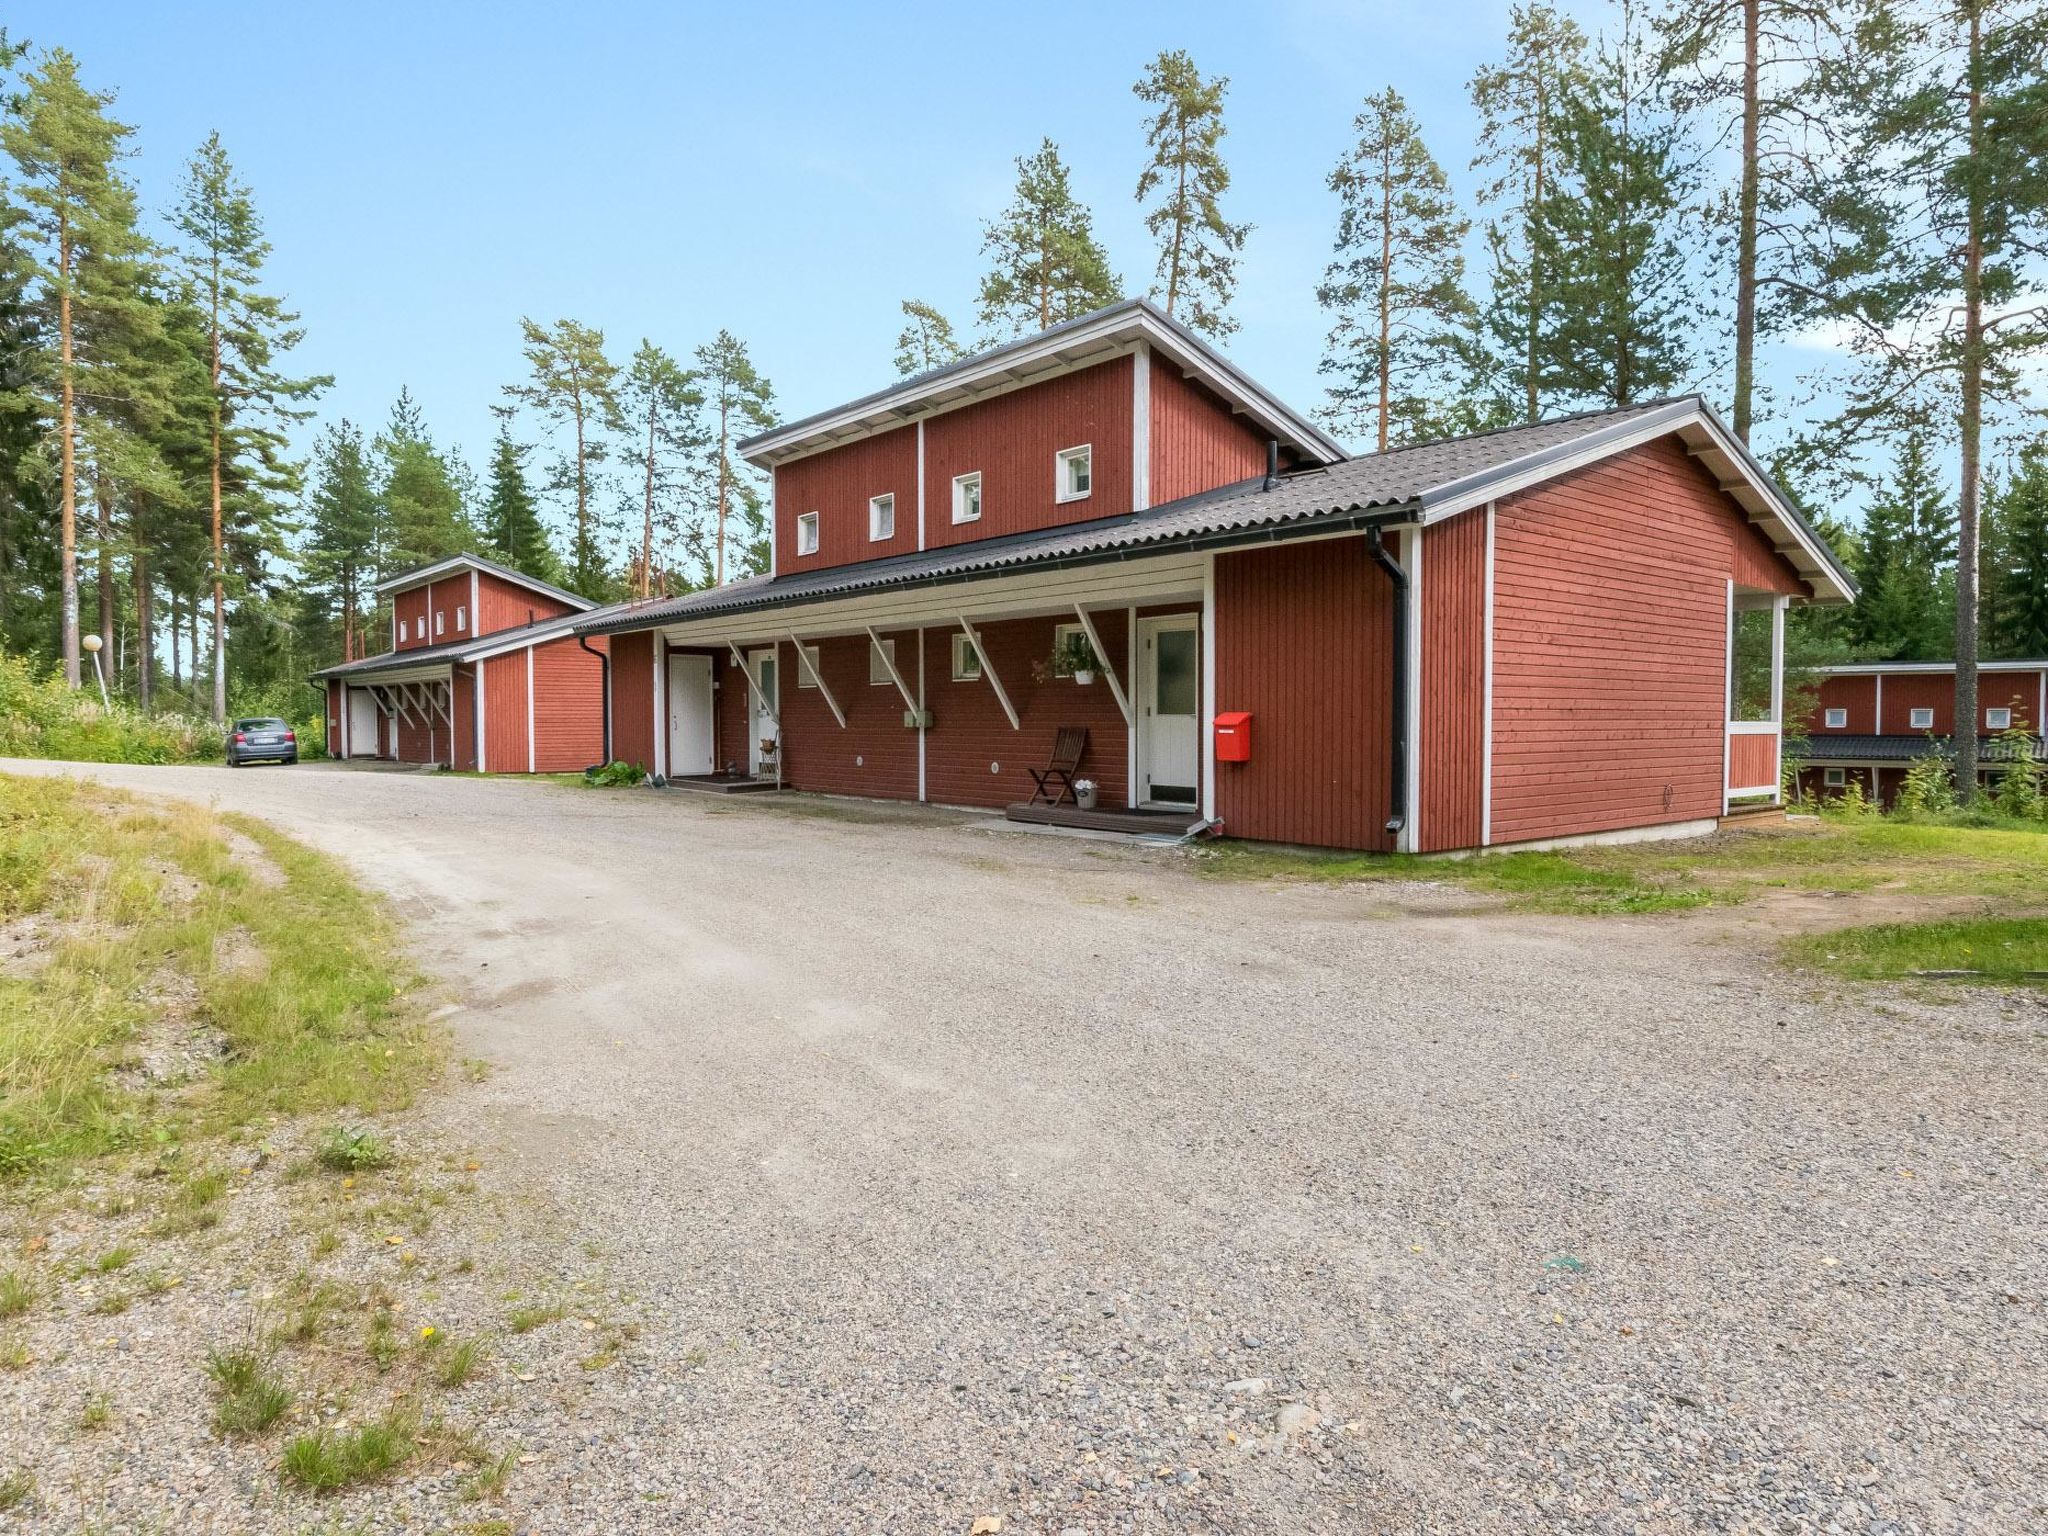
1558,882
322,1026
1997,950
17,1293
16,1489
459,1363
526,1319
329,1459
248,1397
41,717
346,1149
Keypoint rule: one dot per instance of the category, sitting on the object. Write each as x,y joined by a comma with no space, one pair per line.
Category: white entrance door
362,723
1169,720
690,746
762,715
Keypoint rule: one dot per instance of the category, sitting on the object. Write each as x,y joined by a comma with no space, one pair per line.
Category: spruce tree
512,531
420,501
1395,287
662,403
339,556
1906,563
1045,263
1185,181
926,340
574,385
738,402
2016,611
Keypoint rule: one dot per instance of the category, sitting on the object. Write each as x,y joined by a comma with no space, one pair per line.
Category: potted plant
1084,794
1073,656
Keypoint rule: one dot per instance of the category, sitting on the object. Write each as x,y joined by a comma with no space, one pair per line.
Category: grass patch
329,1459
97,1413
113,1259
526,1319
16,1489
346,1149
17,1293
248,1397
1996,950
459,1363
132,891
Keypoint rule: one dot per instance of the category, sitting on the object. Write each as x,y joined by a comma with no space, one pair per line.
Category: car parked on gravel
262,740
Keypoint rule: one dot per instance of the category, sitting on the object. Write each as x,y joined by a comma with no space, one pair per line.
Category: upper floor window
967,498
1837,719
882,663
461,616
440,620
966,660
881,518
807,534
1074,473
1997,719
1920,719
807,664
402,631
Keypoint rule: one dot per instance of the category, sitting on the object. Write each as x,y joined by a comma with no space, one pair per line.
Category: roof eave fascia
454,563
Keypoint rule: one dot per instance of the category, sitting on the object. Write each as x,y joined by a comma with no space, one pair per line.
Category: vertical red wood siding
1858,695
506,605
837,485
335,708
1453,704
410,610
2018,691
733,728
505,713
874,755
1610,645
568,707
1752,762
1906,692
634,719
1012,439
1197,442
1303,641
462,753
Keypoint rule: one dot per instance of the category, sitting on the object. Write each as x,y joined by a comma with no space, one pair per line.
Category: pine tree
2016,611
575,385
662,403
422,510
926,340
1617,310
1395,287
736,398
1046,266
512,531
28,527
1520,102
343,537
1186,179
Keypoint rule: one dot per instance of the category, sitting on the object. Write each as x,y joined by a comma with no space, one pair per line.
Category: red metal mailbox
1233,736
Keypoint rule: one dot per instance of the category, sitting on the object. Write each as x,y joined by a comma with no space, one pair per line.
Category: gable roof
1090,338
420,575
1425,483
497,642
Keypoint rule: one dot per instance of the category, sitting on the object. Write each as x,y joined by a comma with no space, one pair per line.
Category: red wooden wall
1858,695
410,609
874,755
1752,762
633,714
568,707
1453,712
505,713
836,484
505,605
462,755
334,712
1197,443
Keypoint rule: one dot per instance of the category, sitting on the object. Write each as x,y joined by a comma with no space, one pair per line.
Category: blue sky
431,172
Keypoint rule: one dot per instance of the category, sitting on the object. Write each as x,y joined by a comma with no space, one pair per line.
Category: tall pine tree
422,509
2016,606
1184,183
1906,562
1045,263
926,340
661,403
574,385
738,402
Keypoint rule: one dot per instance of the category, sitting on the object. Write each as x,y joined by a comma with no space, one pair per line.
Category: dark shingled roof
1831,748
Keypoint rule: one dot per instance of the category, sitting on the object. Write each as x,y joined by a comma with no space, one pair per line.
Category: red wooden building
1870,721
1503,639
484,672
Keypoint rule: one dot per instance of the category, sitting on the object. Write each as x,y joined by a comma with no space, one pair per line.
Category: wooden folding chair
1056,779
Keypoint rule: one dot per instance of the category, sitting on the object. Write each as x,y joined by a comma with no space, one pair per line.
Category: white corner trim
477,684
1486,694
921,792
1877,709
1141,427
920,504
1208,661
1410,838
659,654
531,756
1131,795
1727,693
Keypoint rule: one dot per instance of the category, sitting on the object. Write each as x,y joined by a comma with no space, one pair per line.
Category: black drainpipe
1398,799
1272,463
604,662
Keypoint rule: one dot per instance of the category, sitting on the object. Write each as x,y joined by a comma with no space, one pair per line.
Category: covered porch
403,715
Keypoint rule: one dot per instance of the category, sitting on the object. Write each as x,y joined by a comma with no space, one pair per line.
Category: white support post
803,659
754,688
532,754
922,793
1486,691
1778,607
1206,769
1141,427
481,766
1138,683
889,661
1728,700
657,648
1116,687
989,672
1410,838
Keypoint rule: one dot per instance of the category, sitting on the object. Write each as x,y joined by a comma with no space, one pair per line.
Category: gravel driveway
958,1174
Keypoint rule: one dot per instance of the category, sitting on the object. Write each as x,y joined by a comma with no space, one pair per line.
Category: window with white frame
440,620
807,534
966,660
401,631
881,662
807,675
1073,473
1837,719
461,617
1998,719
881,518
967,498
1920,719
1835,778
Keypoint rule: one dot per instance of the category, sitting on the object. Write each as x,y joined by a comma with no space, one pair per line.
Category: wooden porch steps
724,784
1743,817
1105,819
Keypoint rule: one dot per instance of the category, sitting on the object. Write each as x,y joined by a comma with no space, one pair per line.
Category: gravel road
955,1175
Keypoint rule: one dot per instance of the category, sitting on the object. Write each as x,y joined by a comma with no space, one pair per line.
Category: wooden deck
1106,818
724,784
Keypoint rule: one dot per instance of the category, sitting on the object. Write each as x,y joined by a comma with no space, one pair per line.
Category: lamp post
92,645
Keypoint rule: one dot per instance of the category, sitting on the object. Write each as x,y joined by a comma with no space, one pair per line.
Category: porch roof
1832,749
368,669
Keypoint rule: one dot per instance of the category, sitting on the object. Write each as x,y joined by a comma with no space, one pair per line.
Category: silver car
262,740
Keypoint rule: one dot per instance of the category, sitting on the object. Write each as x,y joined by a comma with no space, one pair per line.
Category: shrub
44,718
345,1150
614,775
1930,787
1852,802
2018,793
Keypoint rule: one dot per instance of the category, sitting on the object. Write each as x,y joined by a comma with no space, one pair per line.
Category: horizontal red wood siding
1197,442
1303,641
568,707
1453,658
462,751
1610,646
1012,440
837,485
633,708
874,754
505,713
1752,762
1858,695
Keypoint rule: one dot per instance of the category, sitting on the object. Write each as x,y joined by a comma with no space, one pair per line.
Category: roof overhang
377,677
1096,338
405,581
1927,668
1734,468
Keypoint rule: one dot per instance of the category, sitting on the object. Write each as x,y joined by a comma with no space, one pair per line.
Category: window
440,620
966,660
1835,778
806,676
1997,719
401,631
1920,719
807,534
881,518
1837,719
1073,473
461,616
967,498
881,657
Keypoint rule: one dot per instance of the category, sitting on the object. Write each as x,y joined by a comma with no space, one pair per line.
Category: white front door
362,723
763,700
1169,704
690,746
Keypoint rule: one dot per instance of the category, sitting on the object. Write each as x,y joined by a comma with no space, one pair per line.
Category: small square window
440,620
967,498
1838,719
966,660
1920,719
807,676
1997,719
807,534
1835,778
881,659
881,518
402,631
461,617
1074,471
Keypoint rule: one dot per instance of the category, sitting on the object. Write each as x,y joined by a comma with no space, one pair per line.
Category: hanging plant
1073,656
